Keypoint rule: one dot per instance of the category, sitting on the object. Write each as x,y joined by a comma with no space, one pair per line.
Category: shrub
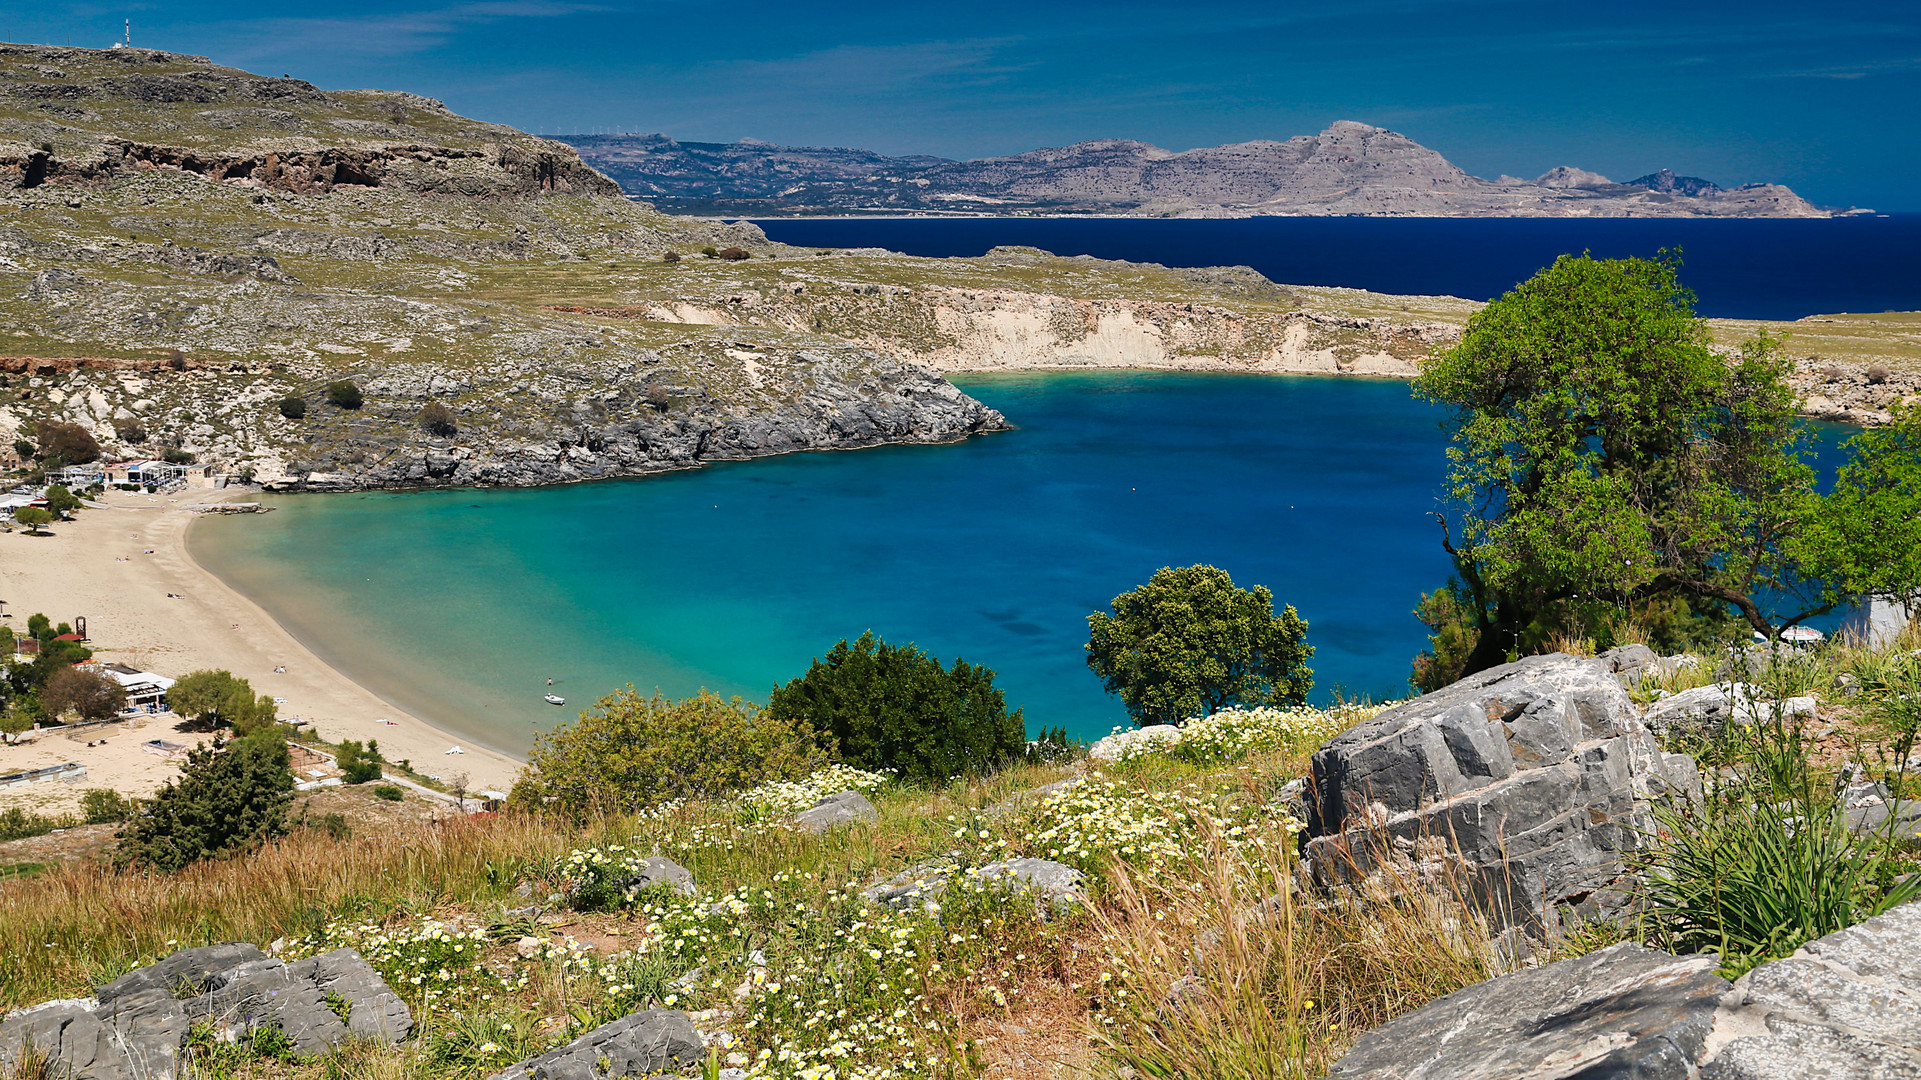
293,407
437,419
173,455
334,825
1189,643
344,394
23,449
358,763
1768,862
216,697
129,430
61,500
670,258
733,254
104,806
66,444
633,751
1878,373
18,824
389,792
86,694
894,707
229,797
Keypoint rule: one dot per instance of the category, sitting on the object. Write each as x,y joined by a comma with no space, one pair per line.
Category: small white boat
553,699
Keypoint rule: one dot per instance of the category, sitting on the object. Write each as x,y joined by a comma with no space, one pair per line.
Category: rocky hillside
1350,168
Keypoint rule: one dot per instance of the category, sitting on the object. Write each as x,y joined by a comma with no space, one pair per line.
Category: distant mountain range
1350,168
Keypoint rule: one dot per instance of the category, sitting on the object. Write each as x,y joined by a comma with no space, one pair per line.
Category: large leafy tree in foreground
1190,643
1605,458
230,797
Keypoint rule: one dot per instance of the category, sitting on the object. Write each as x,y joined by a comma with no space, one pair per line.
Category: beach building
146,692
76,477
14,500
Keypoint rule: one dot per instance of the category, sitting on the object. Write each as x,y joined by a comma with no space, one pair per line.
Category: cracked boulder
136,1025
643,1044
1533,779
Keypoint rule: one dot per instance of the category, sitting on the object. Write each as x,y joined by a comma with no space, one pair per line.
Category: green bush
103,806
66,444
632,752
229,797
1767,862
389,792
357,763
18,824
344,394
894,707
61,500
88,695
173,455
32,517
23,449
293,408
1189,643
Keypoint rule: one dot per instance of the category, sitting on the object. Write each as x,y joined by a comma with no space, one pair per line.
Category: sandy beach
125,567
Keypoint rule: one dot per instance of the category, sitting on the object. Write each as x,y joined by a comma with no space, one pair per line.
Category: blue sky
1825,98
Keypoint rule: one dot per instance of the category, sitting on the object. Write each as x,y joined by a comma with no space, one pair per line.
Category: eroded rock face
135,1027
1535,776
643,1044
1844,1007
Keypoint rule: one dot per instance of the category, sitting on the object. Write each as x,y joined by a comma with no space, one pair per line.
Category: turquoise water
459,605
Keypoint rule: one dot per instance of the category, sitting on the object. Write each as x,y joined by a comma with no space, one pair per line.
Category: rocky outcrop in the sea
1843,1007
136,1027
1534,779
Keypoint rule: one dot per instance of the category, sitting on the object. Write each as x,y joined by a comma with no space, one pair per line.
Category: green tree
33,517
357,762
86,694
1604,457
230,797
894,707
630,752
293,407
1189,643
1866,537
60,500
214,698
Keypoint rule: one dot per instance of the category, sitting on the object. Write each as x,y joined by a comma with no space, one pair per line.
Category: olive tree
216,698
1189,643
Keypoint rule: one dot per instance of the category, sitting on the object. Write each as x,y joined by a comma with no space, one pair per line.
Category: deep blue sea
1746,269
459,605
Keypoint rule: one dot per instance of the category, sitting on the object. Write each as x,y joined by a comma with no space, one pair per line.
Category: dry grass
1226,970
67,930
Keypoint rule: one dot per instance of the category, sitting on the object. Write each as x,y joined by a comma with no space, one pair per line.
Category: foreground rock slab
1625,1011
1534,777
643,1044
1844,1007
136,1025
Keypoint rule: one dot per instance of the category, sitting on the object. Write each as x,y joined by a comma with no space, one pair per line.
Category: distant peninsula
1348,169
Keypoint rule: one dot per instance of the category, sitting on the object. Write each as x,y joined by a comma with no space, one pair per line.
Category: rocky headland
1348,169
184,247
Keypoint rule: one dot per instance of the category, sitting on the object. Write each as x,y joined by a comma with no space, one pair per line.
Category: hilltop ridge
1349,168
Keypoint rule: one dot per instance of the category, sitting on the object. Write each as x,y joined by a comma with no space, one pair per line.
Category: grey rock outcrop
1630,662
1707,710
135,1027
658,871
1537,777
1054,884
1844,1007
1622,1012
643,1044
845,808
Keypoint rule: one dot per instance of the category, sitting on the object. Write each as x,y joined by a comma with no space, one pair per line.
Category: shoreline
167,613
